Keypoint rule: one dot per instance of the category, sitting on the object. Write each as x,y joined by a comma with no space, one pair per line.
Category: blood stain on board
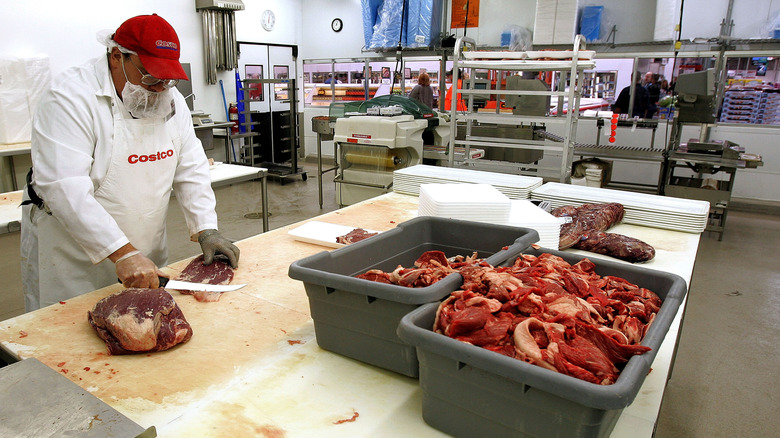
354,417
294,341
270,432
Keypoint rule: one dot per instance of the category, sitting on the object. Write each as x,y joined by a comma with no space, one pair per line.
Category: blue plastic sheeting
370,12
423,23
590,22
388,28
408,23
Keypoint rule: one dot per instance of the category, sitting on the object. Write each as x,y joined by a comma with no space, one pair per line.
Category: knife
186,285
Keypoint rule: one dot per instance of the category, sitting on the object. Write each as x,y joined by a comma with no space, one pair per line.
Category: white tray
322,233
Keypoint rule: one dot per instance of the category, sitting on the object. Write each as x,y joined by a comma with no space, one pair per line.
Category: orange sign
465,13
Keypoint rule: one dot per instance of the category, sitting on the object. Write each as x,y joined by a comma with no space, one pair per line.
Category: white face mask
144,104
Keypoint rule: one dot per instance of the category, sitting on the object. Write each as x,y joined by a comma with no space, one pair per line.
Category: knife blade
186,285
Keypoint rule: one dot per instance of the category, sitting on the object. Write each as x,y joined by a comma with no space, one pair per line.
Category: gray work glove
211,242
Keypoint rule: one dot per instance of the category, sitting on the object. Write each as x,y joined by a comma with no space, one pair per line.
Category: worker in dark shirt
641,99
653,92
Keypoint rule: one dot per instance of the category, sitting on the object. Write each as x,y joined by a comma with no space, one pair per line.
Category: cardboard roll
378,158
383,161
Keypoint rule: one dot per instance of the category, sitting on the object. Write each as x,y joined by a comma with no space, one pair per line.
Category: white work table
253,367
10,150
221,175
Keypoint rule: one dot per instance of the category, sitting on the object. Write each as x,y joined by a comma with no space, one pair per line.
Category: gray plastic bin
358,318
469,391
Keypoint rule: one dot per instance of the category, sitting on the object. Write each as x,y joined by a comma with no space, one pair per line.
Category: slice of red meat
218,272
139,321
355,235
432,259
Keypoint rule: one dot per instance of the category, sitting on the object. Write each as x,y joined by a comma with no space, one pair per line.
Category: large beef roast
139,321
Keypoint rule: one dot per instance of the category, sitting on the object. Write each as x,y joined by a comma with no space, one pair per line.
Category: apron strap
34,198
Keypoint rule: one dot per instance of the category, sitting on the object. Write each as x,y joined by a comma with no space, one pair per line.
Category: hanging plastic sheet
22,84
389,25
370,11
424,23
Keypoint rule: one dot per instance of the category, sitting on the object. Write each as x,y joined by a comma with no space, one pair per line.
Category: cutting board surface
236,333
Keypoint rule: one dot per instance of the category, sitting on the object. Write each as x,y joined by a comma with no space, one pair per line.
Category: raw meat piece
586,232
616,245
353,236
218,272
587,217
566,318
139,321
429,268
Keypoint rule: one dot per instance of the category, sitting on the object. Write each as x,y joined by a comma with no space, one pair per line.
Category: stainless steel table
31,390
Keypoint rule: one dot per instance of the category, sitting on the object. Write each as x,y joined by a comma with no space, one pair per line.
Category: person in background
461,104
255,88
664,89
331,80
422,92
110,140
641,99
653,93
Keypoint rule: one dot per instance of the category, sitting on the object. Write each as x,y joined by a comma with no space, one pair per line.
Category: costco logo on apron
133,159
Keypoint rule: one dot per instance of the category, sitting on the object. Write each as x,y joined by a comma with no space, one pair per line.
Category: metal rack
568,80
703,158
272,138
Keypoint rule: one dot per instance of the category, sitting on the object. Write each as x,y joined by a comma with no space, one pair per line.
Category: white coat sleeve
66,129
192,180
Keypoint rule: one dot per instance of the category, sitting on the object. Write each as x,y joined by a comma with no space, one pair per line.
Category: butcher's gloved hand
137,271
211,242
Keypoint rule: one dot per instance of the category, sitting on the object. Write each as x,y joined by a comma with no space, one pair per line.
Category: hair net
106,38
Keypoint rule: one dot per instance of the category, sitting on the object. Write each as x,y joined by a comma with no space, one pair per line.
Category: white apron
135,192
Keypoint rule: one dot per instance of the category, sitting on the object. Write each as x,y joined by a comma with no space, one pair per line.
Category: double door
268,108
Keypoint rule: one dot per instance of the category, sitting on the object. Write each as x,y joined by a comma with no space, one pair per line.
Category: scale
201,119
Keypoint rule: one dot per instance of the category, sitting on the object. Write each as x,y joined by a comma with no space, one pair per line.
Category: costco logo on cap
166,45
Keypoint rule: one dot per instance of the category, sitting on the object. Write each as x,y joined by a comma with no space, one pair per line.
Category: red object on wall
233,113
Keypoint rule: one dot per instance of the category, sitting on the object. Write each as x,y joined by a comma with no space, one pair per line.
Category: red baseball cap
156,44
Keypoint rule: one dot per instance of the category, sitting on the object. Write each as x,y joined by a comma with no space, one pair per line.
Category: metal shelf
528,65
570,79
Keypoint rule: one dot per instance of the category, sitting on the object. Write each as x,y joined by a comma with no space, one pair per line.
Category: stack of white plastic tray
409,179
527,215
665,212
473,202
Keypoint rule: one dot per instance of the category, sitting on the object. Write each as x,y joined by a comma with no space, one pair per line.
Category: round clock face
268,20
336,25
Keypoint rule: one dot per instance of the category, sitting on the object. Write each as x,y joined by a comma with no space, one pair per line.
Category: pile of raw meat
546,312
586,232
431,267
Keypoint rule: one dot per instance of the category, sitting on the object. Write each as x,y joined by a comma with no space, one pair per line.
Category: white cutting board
322,233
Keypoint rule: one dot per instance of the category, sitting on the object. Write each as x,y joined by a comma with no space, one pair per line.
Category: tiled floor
724,382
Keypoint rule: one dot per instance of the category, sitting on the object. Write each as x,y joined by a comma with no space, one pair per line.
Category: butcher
110,140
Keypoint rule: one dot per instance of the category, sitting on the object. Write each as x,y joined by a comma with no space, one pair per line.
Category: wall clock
268,20
336,25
